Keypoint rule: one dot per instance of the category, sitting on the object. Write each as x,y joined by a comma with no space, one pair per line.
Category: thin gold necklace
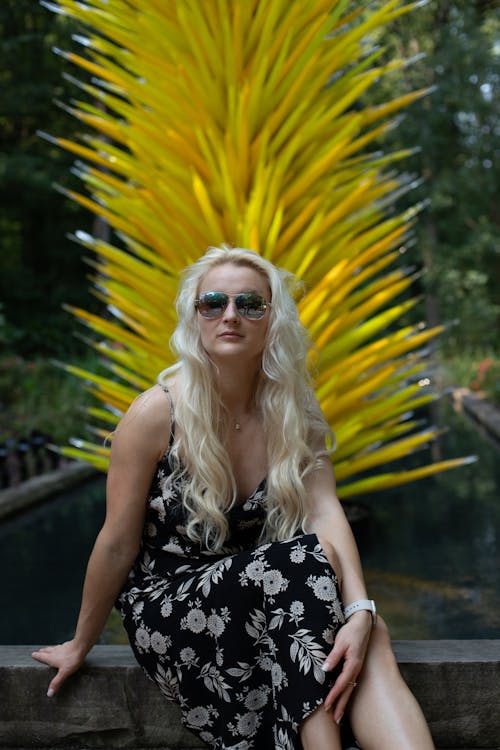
238,423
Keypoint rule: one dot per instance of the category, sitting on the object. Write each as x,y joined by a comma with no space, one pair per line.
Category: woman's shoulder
151,404
150,415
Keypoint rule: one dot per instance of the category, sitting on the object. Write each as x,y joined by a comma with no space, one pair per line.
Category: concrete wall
111,704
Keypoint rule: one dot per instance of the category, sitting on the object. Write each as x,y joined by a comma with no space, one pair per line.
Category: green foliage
39,268
457,129
487,378
478,370
35,394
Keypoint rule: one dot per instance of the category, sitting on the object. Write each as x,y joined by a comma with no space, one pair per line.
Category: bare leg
319,732
383,712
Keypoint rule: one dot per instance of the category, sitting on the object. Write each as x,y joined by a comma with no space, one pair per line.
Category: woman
224,543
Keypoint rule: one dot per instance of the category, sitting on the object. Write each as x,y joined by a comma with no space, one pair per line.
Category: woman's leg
382,711
319,731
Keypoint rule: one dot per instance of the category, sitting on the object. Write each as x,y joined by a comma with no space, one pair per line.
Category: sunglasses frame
241,308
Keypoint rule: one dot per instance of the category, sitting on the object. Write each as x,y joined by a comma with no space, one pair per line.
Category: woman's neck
237,389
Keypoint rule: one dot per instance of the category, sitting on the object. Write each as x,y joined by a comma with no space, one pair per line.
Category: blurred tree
39,268
457,129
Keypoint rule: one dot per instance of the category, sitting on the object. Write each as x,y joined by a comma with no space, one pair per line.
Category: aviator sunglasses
249,304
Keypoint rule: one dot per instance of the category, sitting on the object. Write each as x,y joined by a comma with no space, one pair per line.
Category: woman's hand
351,643
67,658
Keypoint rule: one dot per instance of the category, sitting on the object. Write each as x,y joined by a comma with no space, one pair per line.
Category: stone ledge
482,411
110,703
35,490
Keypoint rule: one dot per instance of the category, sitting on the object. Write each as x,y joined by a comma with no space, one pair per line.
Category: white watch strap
360,605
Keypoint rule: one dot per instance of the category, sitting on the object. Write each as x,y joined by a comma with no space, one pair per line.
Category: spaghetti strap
172,415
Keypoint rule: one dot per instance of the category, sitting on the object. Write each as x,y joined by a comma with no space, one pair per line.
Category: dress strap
172,415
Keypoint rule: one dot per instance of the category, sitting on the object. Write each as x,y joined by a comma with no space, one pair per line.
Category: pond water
430,549
43,556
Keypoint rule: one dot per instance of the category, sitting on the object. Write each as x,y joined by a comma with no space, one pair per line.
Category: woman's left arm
327,519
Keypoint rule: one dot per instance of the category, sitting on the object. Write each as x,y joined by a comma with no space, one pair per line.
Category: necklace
238,424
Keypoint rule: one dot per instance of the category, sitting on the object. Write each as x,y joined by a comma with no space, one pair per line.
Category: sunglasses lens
251,305
212,304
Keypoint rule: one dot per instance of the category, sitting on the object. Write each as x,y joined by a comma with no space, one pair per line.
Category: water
430,549
43,556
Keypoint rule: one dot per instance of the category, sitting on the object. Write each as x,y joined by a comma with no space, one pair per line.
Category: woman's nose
231,311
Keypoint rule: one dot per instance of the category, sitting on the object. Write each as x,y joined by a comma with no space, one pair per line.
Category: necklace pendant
237,426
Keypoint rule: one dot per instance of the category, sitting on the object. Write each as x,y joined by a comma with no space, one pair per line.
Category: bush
487,378
37,395
479,371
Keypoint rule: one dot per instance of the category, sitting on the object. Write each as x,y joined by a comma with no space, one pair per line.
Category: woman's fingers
64,658
345,683
335,656
338,697
350,646
57,682
45,655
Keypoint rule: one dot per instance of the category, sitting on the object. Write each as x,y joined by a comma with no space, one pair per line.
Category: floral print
236,638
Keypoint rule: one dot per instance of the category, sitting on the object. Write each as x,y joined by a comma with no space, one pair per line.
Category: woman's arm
327,519
138,443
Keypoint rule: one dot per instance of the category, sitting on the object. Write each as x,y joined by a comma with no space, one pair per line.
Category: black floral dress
236,638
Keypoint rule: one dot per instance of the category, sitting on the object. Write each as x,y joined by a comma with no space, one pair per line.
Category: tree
457,129
38,267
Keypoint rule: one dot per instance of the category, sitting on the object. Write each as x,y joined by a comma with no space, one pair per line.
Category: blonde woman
224,545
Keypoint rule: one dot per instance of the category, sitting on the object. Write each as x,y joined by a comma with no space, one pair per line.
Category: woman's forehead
232,278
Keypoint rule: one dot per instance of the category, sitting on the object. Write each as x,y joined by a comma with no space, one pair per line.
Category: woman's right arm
138,443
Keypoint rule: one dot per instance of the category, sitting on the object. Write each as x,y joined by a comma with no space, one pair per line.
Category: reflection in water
431,549
431,552
43,555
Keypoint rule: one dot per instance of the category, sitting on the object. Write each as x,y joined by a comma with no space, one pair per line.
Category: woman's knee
331,556
380,633
380,646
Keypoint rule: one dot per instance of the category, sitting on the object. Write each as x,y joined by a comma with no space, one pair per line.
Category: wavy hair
295,428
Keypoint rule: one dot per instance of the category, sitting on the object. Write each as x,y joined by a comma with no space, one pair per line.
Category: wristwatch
360,605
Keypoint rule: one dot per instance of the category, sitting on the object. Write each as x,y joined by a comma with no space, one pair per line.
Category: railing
26,457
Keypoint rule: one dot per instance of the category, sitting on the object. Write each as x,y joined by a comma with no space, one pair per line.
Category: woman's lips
230,335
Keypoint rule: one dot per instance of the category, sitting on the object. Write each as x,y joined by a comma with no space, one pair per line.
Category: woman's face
232,335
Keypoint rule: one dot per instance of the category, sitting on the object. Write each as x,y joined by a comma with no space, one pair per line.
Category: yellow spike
385,481
235,122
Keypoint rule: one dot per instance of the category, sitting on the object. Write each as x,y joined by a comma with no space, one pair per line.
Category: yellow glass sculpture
239,121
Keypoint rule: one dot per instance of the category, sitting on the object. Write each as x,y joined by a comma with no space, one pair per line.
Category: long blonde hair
291,417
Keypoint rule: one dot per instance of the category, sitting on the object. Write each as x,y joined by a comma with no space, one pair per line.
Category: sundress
236,638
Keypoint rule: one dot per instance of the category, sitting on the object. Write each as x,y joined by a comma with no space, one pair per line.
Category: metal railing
25,457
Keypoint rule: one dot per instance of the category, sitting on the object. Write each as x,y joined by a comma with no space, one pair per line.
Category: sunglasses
249,304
